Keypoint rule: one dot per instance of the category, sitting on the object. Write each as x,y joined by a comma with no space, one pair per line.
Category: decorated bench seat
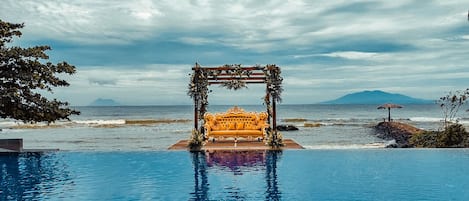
235,123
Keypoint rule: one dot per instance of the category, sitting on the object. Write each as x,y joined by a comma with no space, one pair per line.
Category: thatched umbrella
389,106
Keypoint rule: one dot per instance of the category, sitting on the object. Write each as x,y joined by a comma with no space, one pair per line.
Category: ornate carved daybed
236,123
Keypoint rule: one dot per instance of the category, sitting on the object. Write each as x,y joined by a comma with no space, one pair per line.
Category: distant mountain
376,97
104,102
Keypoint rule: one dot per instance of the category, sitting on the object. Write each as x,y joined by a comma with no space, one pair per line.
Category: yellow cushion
249,126
215,126
224,132
232,126
239,125
222,127
240,133
249,133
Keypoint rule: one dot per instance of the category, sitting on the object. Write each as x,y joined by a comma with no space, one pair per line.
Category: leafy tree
450,105
24,74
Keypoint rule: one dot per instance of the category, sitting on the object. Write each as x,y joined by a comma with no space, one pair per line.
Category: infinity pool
376,174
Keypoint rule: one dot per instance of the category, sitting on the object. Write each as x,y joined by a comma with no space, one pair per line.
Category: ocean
120,153
146,128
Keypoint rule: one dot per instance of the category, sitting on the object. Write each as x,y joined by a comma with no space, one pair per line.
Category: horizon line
244,104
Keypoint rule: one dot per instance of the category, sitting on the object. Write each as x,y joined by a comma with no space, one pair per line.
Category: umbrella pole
389,114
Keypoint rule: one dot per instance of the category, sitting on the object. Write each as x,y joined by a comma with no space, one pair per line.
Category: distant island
104,102
376,97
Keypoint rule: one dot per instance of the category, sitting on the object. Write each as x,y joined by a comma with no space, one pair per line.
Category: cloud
142,51
148,85
345,55
465,37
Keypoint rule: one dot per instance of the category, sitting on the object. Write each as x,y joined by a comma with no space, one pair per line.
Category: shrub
454,135
275,139
196,140
424,139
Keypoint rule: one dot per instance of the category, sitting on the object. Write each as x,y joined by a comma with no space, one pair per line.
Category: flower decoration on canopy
234,84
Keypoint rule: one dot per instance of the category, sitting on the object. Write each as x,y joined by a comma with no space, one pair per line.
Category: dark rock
287,128
399,132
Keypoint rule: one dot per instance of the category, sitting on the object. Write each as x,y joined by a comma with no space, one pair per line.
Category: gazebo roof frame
235,77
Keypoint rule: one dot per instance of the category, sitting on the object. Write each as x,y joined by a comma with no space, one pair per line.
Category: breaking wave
434,119
6,124
311,123
96,123
425,119
100,122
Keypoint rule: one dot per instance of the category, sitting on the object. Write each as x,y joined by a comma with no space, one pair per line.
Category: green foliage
24,75
425,139
454,135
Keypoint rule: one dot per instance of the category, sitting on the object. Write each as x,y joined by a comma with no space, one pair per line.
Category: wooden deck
4,152
240,145
15,147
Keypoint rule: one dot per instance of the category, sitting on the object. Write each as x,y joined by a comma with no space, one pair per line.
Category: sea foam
426,119
101,122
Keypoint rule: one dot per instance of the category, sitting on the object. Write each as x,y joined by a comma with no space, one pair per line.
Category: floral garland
236,72
274,139
273,81
234,84
198,90
196,140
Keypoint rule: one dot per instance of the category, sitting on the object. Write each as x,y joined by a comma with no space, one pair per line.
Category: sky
141,52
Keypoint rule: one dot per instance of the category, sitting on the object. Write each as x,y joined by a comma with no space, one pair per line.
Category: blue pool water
356,174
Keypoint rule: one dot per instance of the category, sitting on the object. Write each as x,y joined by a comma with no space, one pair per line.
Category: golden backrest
235,119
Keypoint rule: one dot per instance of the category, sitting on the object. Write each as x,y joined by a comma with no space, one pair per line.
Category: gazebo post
274,115
267,97
196,98
196,115
389,114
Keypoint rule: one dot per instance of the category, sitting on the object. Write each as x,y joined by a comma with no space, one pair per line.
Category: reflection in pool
140,175
236,162
32,177
379,174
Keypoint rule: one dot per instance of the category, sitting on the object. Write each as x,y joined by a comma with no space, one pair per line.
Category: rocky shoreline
397,131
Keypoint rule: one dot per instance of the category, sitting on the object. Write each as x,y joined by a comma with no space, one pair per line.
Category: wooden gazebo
235,77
